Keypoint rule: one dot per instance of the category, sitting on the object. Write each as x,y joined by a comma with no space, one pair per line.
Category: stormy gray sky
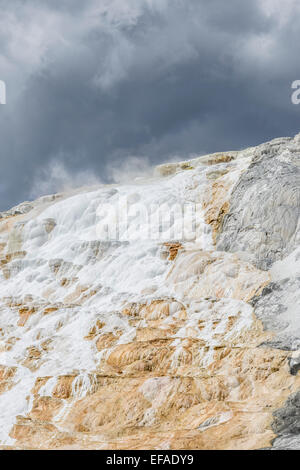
96,84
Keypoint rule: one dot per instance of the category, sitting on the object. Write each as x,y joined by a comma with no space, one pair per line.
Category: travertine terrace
157,343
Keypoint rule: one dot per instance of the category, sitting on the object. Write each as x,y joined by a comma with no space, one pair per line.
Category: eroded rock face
156,342
264,208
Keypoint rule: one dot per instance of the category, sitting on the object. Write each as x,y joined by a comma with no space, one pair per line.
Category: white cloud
56,178
129,169
283,11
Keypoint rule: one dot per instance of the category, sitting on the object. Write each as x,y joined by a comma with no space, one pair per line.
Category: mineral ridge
157,342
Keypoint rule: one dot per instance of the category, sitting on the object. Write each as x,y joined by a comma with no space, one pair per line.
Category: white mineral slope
65,269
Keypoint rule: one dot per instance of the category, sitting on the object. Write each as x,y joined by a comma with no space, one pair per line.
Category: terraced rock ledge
157,342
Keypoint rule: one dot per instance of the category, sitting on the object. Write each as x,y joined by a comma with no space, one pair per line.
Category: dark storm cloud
91,83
